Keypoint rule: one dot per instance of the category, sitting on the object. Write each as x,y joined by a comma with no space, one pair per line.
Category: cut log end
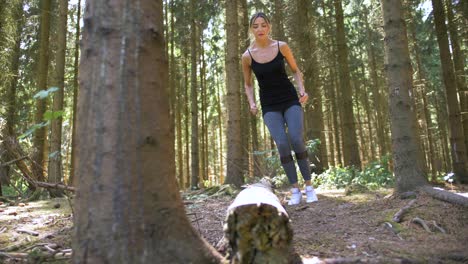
258,233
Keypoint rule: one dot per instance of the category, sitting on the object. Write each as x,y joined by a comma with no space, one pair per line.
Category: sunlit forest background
338,44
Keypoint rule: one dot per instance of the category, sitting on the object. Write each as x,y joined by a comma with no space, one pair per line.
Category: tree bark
234,141
376,94
457,138
75,92
55,173
42,73
124,167
350,144
458,63
408,173
313,110
195,162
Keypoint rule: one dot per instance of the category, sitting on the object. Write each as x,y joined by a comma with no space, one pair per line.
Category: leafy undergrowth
339,225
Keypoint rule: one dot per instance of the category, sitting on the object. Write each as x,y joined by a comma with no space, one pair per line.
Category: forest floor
351,227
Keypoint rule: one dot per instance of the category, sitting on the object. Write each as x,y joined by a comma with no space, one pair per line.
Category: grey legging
286,129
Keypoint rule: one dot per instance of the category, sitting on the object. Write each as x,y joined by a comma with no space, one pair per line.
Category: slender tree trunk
458,63
421,77
11,88
55,162
125,168
457,138
351,147
187,119
375,91
234,141
195,165
75,92
368,113
220,131
244,42
314,115
408,174
278,20
42,73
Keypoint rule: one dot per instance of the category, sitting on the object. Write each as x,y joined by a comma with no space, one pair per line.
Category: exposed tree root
422,223
399,215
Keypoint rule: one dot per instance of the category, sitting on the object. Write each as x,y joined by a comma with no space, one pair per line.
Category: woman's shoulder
282,44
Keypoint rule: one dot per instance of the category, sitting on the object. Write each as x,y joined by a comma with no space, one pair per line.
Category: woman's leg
276,125
294,119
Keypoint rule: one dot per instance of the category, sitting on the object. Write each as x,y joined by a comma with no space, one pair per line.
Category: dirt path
337,226
352,227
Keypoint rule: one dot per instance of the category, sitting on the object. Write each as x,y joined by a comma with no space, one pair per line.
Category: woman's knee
283,148
298,144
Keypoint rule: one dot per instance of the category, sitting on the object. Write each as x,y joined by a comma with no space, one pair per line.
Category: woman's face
260,28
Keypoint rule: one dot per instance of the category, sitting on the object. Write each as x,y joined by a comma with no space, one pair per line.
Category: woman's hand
304,97
253,109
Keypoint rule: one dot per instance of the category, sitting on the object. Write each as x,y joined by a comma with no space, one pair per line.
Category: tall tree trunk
350,144
187,118
314,116
375,91
244,42
71,180
195,165
421,77
408,174
234,141
42,73
333,96
55,162
124,166
11,86
220,131
458,63
278,20
457,138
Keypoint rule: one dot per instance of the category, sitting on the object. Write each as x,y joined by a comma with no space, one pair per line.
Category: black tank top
277,93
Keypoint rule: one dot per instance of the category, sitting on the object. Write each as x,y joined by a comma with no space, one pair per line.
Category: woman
281,107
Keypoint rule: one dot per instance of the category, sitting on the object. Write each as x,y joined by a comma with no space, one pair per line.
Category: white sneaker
296,196
311,196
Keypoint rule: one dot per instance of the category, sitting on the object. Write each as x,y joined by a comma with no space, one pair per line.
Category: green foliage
31,130
45,93
375,174
48,115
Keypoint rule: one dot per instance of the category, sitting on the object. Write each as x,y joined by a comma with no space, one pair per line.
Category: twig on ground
399,215
422,223
439,228
29,232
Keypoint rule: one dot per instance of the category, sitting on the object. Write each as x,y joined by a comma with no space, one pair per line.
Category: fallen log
445,196
55,186
258,228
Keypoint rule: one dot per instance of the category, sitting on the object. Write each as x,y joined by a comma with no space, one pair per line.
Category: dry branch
258,228
397,217
29,232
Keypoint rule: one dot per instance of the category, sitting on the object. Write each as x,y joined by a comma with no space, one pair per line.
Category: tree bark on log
258,228
445,196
